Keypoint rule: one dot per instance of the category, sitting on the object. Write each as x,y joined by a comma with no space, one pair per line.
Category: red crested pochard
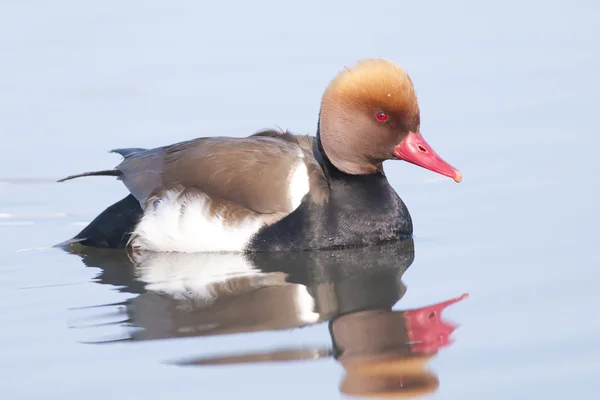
275,191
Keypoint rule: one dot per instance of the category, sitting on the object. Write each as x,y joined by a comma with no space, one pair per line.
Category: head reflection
382,351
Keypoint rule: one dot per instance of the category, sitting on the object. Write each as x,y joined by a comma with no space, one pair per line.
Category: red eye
381,116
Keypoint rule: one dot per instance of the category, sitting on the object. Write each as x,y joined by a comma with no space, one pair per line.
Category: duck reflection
382,351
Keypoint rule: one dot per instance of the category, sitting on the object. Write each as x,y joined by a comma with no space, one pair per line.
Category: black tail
108,172
112,227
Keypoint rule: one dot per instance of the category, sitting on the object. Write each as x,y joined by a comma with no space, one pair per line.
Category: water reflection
382,351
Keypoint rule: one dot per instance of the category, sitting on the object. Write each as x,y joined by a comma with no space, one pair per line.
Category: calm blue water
508,94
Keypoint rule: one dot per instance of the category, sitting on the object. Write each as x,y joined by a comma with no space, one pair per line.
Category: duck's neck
352,165
356,190
333,172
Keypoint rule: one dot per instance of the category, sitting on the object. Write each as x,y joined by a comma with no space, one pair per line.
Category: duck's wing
267,173
319,186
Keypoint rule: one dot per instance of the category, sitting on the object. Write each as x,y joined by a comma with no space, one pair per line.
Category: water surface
508,95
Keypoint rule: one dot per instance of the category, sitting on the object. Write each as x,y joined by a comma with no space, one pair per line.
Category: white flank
298,184
164,228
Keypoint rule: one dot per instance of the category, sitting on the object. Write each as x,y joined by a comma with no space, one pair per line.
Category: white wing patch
164,228
298,184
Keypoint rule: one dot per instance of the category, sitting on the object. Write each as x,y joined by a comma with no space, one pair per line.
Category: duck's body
274,191
290,201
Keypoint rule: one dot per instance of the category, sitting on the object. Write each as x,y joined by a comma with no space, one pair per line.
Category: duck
273,190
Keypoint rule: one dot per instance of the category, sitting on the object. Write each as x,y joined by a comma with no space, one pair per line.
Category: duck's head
369,114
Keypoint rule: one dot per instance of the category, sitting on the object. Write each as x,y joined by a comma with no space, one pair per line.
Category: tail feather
111,228
127,152
108,172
